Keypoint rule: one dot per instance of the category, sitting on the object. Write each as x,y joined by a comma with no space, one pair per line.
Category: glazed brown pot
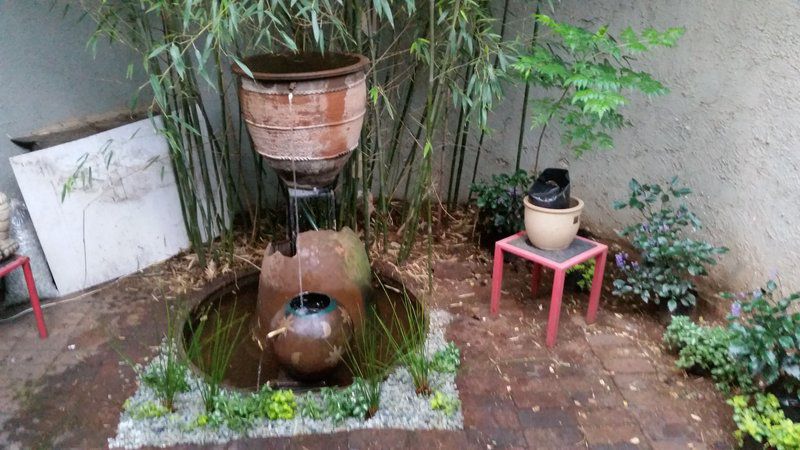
334,263
304,112
309,340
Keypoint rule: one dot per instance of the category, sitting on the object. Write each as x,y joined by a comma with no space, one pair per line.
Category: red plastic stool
579,250
25,262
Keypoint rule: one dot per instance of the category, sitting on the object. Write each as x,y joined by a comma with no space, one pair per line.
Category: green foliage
145,410
706,349
365,358
447,360
166,375
766,336
585,270
353,401
669,261
281,405
310,408
590,73
500,207
240,411
212,353
761,418
408,342
446,403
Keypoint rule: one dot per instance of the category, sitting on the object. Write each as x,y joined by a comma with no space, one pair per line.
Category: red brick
566,438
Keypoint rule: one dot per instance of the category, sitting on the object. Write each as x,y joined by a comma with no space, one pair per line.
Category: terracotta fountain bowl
310,335
333,262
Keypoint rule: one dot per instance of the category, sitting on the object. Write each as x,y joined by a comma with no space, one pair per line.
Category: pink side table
15,262
580,250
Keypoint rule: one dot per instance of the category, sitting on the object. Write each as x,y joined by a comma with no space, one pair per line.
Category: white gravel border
400,408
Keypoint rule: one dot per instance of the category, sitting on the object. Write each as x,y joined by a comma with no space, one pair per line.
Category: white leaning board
121,214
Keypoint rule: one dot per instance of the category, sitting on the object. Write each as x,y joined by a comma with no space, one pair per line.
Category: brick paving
605,386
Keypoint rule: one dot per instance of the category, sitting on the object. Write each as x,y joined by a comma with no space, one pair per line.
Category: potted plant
766,340
552,217
669,259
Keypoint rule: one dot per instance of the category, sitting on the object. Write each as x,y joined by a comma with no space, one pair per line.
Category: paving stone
670,445
620,434
555,438
629,365
540,399
547,417
377,439
498,438
609,340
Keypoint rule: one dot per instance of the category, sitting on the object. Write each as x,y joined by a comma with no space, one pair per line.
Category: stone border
400,408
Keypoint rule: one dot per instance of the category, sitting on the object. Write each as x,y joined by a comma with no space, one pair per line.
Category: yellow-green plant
761,418
446,403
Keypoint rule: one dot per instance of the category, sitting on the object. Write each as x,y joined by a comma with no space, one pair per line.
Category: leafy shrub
240,411
589,71
766,336
706,349
352,401
281,405
500,207
443,402
761,418
311,409
447,360
668,260
585,271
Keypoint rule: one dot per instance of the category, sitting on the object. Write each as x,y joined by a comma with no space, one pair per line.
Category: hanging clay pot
310,335
304,112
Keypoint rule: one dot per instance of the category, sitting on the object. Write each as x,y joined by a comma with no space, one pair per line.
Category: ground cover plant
760,418
766,337
669,259
705,350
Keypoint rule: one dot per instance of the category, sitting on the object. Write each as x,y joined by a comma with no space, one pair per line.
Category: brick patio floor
609,385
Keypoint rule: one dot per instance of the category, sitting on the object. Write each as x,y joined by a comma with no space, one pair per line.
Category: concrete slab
103,206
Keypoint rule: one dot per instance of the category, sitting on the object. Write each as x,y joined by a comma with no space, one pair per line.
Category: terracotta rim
570,210
357,63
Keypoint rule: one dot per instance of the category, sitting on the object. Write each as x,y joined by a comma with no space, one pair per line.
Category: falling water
258,375
297,234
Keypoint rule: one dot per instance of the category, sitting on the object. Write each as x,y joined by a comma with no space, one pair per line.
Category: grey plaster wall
47,76
730,128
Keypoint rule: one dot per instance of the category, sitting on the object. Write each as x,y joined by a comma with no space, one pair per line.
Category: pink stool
25,262
580,250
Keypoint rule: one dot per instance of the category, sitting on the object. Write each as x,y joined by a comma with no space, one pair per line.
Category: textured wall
730,128
47,75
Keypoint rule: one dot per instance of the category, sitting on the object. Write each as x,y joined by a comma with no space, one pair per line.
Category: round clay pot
333,262
552,229
304,112
310,335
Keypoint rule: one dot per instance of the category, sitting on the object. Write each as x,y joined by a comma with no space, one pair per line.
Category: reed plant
212,350
366,358
167,374
406,333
